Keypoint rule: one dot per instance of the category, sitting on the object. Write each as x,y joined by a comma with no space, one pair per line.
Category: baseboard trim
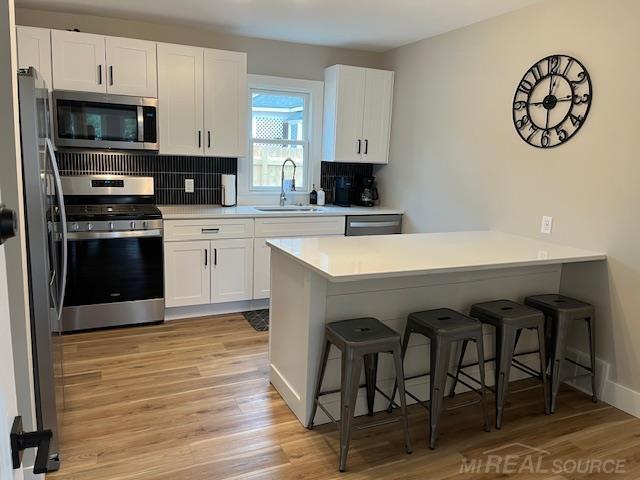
179,313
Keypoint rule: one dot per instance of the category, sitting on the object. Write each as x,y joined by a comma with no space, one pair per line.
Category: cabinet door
377,115
225,103
131,67
349,114
181,99
261,269
187,267
232,270
34,50
78,61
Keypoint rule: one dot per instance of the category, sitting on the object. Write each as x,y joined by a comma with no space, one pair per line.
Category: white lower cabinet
232,270
261,268
211,261
187,276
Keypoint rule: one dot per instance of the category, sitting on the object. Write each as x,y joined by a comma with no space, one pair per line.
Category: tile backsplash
330,170
168,171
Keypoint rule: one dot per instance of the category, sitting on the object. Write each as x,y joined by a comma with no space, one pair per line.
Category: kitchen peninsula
320,280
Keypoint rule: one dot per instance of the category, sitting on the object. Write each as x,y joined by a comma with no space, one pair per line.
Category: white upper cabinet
95,63
181,99
225,103
357,114
131,67
34,50
78,61
376,126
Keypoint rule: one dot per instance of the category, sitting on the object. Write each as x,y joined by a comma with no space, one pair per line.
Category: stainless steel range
115,262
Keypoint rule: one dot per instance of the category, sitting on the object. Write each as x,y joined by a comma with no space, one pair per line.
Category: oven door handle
63,223
114,235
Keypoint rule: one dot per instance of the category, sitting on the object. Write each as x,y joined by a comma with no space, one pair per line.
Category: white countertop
182,212
342,259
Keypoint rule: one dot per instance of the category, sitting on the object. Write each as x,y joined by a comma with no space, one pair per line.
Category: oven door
114,279
93,120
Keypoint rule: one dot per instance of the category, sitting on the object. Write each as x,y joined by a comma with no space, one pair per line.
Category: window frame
314,90
304,143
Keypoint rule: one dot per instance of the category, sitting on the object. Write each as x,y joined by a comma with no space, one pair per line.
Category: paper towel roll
228,190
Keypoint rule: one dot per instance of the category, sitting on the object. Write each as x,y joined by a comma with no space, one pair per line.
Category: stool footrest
377,423
578,364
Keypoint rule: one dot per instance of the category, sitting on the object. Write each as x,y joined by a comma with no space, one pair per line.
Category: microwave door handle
63,223
140,123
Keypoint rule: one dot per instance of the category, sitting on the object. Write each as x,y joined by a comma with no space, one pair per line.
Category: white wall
457,162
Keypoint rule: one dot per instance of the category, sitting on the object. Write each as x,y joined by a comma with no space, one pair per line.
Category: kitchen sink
289,209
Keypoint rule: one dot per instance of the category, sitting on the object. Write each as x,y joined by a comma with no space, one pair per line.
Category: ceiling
376,25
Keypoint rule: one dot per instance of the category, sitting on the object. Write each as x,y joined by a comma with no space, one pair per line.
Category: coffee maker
367,193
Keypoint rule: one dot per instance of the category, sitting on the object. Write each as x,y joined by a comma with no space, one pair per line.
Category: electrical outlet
189,185
547,223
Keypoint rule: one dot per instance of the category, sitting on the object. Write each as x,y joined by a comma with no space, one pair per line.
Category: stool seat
362,330
444,321
506,312
553,304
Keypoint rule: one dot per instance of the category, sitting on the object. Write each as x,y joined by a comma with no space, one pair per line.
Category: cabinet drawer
299,226
207,229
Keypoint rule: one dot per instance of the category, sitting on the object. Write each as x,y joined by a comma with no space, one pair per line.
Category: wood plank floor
191,400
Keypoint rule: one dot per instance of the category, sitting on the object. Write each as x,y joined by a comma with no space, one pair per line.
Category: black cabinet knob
8,224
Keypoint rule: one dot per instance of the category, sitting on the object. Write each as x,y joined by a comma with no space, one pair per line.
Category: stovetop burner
112,212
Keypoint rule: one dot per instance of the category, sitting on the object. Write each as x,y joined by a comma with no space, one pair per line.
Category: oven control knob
133,225
89,226
145,225
75,227
111,226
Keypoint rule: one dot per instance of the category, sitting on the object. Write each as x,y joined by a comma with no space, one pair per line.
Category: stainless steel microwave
104,121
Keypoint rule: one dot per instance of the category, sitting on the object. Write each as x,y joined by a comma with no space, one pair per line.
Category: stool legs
505,343
557,358
323,366
483,388
463,350
543,367
405,344
397,359
370,375
351,368
592,353
440,354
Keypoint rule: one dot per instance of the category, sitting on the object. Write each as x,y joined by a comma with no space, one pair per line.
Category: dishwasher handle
358,225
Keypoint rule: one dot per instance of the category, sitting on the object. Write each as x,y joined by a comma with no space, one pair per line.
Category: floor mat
258,319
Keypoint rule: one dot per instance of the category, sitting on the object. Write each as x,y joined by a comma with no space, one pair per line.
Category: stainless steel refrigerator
46,240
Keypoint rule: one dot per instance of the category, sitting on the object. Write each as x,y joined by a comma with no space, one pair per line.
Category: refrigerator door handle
63,222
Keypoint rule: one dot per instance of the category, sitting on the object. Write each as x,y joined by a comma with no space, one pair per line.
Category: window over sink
279,130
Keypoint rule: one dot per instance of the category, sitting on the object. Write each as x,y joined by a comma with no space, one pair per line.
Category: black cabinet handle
21,440
110,74
99,74
208,138
366,146
215,256
206,257
199,138
8,224
359,146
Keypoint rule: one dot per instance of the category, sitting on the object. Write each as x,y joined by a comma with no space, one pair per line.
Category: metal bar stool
360,340
563,312
443,327
508,318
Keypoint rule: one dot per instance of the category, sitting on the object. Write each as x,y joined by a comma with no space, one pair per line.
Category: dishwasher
358,225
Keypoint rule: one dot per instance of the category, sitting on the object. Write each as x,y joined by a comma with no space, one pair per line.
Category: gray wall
457,162
265,57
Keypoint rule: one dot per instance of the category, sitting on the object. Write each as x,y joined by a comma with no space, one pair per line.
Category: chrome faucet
283,197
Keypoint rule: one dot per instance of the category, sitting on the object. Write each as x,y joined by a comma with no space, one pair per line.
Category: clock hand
563,99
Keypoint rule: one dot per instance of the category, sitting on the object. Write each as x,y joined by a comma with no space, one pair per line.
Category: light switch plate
547,224
189,185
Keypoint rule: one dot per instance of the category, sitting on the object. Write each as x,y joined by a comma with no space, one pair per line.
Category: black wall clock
552,101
